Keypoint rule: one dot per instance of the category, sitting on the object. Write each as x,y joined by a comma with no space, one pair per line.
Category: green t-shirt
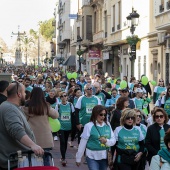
138,103
101,96
159,91
167,106
65,116
86,104
95,133
128,139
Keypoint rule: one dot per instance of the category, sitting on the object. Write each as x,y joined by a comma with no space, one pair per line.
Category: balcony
60,9
96,2
53,23
98,37
168,5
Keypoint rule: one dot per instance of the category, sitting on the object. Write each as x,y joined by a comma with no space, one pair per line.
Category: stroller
27,160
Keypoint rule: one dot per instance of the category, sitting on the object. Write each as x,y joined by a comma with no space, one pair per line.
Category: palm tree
26,44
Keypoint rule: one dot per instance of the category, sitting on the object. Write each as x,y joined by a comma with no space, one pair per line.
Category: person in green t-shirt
130,141
66,110
83,108
96,139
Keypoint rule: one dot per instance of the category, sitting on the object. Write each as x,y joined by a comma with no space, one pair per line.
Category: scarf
165,154
50,100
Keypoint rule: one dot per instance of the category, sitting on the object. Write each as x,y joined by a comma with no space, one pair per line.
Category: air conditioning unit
161,38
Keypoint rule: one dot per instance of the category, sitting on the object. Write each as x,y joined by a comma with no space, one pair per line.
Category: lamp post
34,64
79,53
133,19
1,59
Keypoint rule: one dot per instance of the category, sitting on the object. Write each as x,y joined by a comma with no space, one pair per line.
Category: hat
125,89
138,90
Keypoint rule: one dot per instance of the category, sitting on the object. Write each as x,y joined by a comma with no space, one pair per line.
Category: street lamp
133,20
1,59
79,52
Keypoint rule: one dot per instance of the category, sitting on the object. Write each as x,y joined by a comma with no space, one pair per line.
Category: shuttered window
89,27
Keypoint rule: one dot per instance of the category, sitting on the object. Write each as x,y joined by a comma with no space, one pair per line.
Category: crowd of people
94,109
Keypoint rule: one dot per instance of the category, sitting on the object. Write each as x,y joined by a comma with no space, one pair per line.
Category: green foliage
46,29
34,33
26,43
132,40
80,52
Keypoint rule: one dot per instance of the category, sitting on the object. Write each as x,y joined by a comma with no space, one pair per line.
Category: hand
138,156
78,164
103,140
79,127
37,149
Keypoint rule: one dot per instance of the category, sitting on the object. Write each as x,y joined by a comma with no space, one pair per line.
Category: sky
25,13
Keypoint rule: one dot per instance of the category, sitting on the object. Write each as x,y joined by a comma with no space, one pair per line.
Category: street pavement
70,157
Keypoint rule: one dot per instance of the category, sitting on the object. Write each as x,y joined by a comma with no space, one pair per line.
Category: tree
46,29
26,43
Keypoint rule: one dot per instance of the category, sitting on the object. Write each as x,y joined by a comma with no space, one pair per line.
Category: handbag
109,155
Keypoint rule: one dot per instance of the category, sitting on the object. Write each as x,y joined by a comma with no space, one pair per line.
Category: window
105,19
161,7
119,15
95,24
144,65
83,27
139,69
89,27
78,31
113,27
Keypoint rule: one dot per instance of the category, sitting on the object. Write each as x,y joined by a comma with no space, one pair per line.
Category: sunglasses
128,118
161,81
63,96
102,115
139,116
20,81
159,116
89,88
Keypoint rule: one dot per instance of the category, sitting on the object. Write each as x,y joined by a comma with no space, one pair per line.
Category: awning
98,62
70,61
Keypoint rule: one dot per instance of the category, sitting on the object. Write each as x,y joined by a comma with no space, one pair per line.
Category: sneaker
70,143
63,162
55,138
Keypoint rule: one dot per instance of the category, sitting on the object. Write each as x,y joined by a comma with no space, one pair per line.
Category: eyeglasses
159,116
102,115
139,116
128,118
89,88
63,96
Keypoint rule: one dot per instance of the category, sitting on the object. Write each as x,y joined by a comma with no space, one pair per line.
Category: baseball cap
138,90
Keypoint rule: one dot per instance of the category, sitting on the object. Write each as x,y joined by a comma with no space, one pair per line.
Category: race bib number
65,116
89,110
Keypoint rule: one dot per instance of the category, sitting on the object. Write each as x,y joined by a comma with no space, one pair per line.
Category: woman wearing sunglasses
130,142
158,90
66,110
96,138
156,132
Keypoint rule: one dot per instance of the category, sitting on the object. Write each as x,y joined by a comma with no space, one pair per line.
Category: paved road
70,157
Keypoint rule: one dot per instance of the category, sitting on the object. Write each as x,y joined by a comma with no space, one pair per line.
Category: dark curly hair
120,102
96,111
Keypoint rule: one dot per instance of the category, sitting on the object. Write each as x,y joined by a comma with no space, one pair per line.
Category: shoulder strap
161,163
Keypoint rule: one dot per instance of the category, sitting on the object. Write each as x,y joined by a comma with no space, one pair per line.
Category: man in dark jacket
3,90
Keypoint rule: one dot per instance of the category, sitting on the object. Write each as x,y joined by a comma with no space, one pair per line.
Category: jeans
47,158
97,164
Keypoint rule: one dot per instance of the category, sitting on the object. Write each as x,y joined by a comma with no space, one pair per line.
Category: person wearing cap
83,108
27,84
63,85
137,100
125,93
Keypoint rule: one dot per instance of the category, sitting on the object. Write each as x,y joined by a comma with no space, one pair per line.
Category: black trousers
63,135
